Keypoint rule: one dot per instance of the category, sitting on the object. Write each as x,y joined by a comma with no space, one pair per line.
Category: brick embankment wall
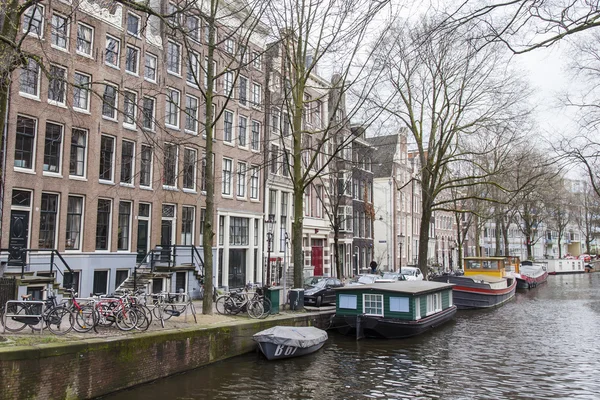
94,367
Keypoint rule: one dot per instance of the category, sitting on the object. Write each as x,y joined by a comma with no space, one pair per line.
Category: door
142,240
100,282
237,268
166,239
19,235
157,285
180,281
317,260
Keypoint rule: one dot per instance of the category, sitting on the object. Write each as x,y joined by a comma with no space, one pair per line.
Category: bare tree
587,215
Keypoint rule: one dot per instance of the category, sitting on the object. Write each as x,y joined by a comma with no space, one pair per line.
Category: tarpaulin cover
297,336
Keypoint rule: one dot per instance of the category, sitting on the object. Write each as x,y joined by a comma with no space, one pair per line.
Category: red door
317,260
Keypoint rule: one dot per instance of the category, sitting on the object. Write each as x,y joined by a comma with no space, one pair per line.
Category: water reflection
541,345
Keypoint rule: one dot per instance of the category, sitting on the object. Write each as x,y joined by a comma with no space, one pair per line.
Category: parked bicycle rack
27,303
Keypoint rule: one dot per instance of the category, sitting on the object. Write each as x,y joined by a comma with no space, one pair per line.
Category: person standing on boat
373,266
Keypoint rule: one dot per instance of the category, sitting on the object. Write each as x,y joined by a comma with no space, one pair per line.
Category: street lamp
400,242
270,225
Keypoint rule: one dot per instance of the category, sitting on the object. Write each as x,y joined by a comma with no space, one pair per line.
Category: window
103,224
242,131
172,108
124,225
243,90
109,102
254,183
52,147
33,22
133,24
373,304
191,114
238,231
146,166
132,57
229,45
81,91
227,169
256,94
241,179
24,142
214,74
275,120
189,169
187,225
29,81
273,163
192,75
173,58
348,301
399,304
78,149
148,113
257,60
74,214
56,85
228,126
202,219
120,276
127,153
286,125
283,221
59,32
434,303
170,165
228,84
193,27
107,149
48,213
255,135
150,67
111,54
85,39
129,108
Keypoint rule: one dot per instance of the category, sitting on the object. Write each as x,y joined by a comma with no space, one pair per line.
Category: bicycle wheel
12,323
193,310
147,313
126,320
59,320
266,305
225,305
142,323
85,319
255,309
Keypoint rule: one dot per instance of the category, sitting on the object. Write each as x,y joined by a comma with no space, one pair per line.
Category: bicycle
58,319
113,310
86,317
240,301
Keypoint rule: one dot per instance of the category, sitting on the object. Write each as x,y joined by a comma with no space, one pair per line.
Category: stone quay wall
94,367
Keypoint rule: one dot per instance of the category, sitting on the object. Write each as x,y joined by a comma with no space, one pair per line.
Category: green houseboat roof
406,287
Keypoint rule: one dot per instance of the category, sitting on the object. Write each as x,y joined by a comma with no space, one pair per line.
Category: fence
8,290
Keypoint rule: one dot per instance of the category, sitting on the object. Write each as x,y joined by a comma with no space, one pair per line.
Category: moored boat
565,266
392,310
485,283
531,275
281,342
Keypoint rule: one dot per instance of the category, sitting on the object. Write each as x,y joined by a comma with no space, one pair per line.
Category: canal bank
90,368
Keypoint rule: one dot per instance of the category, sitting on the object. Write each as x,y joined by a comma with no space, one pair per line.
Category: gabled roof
383,155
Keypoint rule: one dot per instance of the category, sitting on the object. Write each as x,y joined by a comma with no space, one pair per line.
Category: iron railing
169,255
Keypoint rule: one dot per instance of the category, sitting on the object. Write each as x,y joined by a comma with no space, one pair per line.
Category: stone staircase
144,278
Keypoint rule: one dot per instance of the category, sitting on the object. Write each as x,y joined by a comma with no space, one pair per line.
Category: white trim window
85,39
228,84
57,85
77,161
172,108
124,226
256,94
146,166
103,224
192,25
29,80
242,131
241,179
373,304
112,51
348,301
254,183
132,59
109,102
129,109
107,158
190,161
33,21
255,142
229,45
188,214
228,127
133,24
434,303
59,32
191,114
257,60
127,162
193,69
74,223
53,148
243,90
226,179
173,58
25,139
400,304
48,221
81,92
148,109
170,165
150,65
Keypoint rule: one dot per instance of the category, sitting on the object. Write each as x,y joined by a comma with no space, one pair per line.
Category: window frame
49,222
169,57
80,39
146,164
168,104
62,82
254,183
131,158
46,166
107,236
129,121
192,118
243,83
137,51
78,89
187,167
39,29
103,153
166,165
226,172
70,223
27,71
150,56
117,53
242,143
228,131
152,118
54,33
256,95
124,235
377,298
255,142
73,153
31,139
138,32
241,185
114,116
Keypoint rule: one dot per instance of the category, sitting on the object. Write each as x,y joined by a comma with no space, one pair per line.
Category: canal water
545,344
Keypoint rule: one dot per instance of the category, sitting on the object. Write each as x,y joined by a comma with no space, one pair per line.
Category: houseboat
557,267
485,283
531,275
392,310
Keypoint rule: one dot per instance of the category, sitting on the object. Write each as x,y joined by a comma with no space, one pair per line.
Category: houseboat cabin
393,310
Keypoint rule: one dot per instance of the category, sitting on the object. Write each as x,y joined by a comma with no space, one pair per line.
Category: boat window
399,304
373,304
348,301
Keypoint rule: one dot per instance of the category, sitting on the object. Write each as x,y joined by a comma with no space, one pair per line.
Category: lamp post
401,242
270,225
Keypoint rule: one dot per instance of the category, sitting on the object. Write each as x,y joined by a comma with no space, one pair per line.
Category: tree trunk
498,234
336,253
424,241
